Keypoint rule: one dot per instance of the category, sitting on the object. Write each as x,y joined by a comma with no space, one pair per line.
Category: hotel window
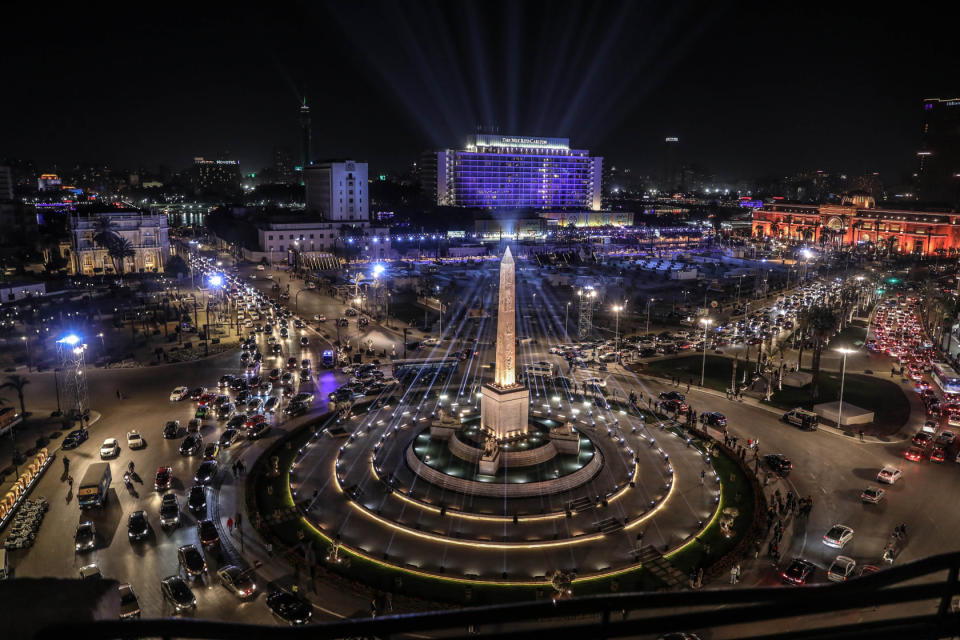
269,237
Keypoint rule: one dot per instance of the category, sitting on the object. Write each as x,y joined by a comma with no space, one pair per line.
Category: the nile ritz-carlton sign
858,221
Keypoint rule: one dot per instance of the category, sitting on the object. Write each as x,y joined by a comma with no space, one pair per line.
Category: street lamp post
706,322
26,342
843,373
617,309
296,302
649,300
566,322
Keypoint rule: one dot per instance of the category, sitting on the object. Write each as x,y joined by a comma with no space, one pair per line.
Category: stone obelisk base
504,411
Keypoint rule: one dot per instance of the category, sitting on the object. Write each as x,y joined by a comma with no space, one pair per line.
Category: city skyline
619,80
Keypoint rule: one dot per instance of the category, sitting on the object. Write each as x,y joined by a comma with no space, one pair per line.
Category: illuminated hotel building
858,221
516,172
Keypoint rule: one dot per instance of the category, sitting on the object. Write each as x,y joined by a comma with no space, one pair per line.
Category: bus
946,377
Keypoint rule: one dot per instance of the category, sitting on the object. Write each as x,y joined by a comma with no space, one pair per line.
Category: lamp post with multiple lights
706,322
843,373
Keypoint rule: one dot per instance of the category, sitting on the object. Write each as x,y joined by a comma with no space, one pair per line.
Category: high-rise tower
306,134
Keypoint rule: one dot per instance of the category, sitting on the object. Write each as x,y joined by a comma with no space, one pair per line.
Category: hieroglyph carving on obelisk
505,372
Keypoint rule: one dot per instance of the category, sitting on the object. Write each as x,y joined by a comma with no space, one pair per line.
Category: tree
17,383
823,324
104,232
119,250
177,266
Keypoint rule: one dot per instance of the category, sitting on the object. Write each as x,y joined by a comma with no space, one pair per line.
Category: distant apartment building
6,184
215,176
145,232
337,190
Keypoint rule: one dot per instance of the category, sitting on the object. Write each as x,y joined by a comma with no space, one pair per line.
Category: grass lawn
850,338
718,371
886,399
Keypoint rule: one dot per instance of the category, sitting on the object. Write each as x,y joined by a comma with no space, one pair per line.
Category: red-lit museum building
858,222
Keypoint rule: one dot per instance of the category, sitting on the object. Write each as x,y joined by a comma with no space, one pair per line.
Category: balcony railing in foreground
913,601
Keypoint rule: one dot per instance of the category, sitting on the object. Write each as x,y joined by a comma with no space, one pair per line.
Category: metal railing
787,613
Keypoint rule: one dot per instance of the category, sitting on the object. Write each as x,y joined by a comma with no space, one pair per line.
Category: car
109,449
319,318
207,532
129,605
178,394
305,363
275,374
266,387
304,341
135,440
778,463
296,409
197,393
304,396
192,560
75,438
258,430
197,500
913,454
289,608
922,439
164,479
171,429
872,495
254,404
191,445
90,572
841,568
225,411
867,569
203,411
352,312
228,437
177,592
305,375
85,539
838,536
287,378
291,363
237,581
237,421
594,382
211,451
271,404
225,380
713,419
138,527
205,472
169,510
946,438
889,475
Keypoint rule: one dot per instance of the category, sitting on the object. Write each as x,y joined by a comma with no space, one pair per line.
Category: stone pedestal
565,438
444,426
504,411
490,461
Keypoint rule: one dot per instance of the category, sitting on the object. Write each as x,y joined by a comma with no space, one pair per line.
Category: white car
178,394
135,440
838,536
430,342
594,382
889,474
873,495
109,449
841,569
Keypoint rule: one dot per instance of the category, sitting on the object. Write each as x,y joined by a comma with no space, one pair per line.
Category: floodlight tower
588,296
71,351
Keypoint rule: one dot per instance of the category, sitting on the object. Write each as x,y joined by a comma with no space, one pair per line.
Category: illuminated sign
456,234
753,204
672,140
953,103
486,140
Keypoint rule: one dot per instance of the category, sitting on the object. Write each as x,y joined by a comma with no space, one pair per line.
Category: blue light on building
512,172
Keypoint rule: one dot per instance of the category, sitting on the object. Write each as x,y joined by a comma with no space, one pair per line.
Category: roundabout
497,487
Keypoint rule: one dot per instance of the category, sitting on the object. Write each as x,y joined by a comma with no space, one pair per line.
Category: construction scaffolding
71,352
588,296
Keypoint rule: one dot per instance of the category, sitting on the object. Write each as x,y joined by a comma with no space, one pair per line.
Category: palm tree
17,383
823,324
104,231
119,250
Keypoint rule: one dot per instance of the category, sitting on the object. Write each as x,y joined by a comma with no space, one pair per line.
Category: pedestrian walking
130,466
734,571
230,525
703,474
269,548
118,394
688,386
861,435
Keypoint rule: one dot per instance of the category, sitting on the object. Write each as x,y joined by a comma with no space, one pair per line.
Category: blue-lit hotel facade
513,172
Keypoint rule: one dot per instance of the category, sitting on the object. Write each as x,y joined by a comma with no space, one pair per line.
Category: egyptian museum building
857,221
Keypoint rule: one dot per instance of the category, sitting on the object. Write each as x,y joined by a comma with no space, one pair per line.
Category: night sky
750,89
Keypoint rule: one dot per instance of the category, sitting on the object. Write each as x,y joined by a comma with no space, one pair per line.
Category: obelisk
505,372
504,405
